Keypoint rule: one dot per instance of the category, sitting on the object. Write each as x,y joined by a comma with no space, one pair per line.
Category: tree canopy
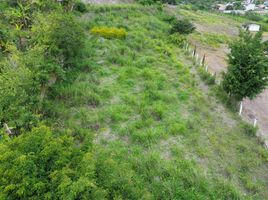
247,67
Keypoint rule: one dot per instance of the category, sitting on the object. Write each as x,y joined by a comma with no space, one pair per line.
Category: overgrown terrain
133,121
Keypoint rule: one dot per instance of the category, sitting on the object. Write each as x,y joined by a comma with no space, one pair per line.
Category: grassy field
158,132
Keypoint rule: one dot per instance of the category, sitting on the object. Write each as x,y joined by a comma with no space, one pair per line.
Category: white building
250,7
252,27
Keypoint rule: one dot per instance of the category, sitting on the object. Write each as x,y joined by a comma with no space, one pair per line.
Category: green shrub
177,39
253,16
109,33
168,18
182,26
80,7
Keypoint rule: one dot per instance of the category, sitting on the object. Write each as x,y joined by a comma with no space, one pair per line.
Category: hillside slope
105,104
159,133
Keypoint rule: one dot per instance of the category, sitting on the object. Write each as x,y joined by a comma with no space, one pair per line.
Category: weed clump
249,129
207,77
177,39
109,33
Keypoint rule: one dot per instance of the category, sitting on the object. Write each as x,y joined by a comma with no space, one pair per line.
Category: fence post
241,108
8,131
255,122
203,60
194,52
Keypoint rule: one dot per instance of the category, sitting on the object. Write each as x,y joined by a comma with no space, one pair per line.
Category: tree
247,67
62,36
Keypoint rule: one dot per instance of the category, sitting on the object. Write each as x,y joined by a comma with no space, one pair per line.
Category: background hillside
128,118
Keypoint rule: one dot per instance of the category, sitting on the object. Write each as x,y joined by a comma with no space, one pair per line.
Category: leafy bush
40,165
168,18
247,70
253,16
80,7
182,26
109,33
62,35
146,2
177,39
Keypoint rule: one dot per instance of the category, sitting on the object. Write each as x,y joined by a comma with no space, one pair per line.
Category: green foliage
206,76
4,38
18,94
177,39
248,70
211,39
127,118
182,26
56,42
109,33
40,165
61,34
253,16
250,130
151,2
80,7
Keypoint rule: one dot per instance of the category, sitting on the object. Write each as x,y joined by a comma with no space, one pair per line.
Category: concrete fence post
255,122
203,59
241,108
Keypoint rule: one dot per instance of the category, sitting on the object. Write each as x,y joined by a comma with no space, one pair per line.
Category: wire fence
201,62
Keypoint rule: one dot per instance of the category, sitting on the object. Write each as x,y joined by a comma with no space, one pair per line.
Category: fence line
200,61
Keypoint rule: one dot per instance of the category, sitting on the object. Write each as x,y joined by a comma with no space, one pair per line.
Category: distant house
248,1
252,27
250,7
221,7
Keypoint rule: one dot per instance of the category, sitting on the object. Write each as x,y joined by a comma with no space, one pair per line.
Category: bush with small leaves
247,74
80,7
182,26
177,39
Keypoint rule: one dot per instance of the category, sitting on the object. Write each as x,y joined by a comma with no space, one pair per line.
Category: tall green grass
156,134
